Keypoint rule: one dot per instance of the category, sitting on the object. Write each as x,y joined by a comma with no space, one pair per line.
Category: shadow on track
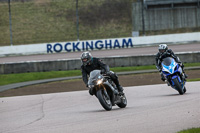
102,110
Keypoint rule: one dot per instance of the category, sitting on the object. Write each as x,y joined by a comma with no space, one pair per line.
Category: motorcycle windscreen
167,61
168,64
93,76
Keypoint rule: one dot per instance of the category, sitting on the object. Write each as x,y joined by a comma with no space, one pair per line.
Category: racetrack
150,109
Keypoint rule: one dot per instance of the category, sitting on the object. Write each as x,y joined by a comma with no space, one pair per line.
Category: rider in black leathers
163,53
90,63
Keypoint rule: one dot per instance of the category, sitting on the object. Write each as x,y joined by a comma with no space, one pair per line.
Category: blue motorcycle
173,74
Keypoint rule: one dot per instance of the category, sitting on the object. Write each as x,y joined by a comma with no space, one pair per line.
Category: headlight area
100,81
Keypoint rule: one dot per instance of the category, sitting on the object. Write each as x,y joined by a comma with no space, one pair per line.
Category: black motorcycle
105,90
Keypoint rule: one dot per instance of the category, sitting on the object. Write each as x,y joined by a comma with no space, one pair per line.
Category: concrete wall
75,64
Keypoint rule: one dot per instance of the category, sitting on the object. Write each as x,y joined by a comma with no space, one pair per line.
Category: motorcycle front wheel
104,99
178,86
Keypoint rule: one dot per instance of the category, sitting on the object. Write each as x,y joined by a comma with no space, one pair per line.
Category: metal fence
43,21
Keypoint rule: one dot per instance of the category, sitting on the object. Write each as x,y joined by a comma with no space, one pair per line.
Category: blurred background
44,21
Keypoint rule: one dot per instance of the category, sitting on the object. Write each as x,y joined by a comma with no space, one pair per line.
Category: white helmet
162,48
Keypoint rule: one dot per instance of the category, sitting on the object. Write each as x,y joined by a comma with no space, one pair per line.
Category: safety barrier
60,65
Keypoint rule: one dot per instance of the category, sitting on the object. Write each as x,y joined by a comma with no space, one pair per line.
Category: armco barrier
75,64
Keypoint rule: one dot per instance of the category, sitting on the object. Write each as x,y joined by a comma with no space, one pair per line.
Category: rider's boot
120,89
167,82
185,74
116,81
182,66
162,77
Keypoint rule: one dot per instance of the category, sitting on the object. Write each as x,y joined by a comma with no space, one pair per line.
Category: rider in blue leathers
163,53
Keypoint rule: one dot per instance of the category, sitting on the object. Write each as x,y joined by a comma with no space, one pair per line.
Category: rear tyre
184,90
123,102
104,100
178,86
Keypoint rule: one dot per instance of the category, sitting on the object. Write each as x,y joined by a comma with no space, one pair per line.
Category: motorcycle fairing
170,69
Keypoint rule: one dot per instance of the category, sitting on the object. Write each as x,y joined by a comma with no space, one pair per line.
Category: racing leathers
97,64
161,56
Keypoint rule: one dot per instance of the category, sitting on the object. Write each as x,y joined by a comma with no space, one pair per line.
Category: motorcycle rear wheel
104,100
123,102
184,89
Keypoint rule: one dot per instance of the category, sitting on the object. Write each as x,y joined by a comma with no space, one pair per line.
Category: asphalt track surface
150,109
135,51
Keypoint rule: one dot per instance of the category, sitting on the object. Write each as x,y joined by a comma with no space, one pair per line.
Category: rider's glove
103,71
159,70
181,64
108,73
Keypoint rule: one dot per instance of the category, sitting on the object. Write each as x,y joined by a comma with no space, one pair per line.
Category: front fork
111,98
105,91
180,79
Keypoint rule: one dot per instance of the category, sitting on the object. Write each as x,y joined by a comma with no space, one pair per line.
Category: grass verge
192,130
43,21
23,77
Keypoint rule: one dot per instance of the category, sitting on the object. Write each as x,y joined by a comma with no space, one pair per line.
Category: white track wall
115,43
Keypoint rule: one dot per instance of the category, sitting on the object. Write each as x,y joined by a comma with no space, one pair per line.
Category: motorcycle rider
163,53
90,63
